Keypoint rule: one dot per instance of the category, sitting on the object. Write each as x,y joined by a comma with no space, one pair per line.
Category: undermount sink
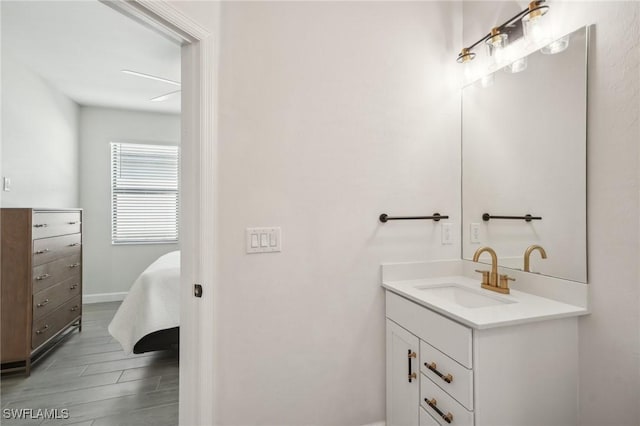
462,296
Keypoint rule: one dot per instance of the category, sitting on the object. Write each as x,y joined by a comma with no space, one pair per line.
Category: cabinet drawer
48,249
457,381
426,419
46,327
443,402
48,300
51,224
445,335
52,273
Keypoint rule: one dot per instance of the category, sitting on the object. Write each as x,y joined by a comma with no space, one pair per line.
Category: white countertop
520,307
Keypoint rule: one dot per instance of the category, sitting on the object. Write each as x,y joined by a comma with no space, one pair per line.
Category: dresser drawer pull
74,245
43,329
40,225
446,377
73,287
75,308
42,277
43,251
43,303
410,355
73,223
433,404
74,265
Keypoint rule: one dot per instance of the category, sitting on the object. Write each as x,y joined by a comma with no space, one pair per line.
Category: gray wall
109,268
330,114
39,140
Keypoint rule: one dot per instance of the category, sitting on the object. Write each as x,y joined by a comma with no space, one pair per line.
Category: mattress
152,304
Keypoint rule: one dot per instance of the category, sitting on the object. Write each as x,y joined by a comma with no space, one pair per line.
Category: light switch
263,240
474,233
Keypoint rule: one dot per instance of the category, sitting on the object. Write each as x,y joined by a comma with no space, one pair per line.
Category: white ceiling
79,47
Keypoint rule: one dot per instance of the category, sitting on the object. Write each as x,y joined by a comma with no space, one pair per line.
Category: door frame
198,199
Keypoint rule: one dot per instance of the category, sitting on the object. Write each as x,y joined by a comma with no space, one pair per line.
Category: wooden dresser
41,288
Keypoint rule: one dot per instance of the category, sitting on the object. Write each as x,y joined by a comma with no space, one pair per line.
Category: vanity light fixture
497,37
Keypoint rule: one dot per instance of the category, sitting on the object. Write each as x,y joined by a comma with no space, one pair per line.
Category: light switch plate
6,184
264,240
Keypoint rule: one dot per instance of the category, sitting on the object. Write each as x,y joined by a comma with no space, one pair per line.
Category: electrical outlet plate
447,233
264,240
474,233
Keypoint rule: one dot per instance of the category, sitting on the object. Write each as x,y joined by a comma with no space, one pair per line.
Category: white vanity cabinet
519,374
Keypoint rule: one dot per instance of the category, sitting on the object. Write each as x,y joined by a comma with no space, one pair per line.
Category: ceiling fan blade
151,77
164,97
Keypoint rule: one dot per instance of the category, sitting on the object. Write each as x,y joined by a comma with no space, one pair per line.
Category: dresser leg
79,325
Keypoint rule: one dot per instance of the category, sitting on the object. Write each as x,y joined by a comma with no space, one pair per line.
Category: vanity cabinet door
403,377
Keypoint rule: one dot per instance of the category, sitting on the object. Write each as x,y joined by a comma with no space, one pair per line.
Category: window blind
144,193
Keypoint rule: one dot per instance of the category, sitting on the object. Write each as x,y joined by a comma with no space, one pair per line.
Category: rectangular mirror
524,153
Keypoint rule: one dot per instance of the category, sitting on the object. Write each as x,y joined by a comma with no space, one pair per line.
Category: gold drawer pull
42,277
433,367
40,225
433,404
73,223
43,303
43,329
74,245
74,265
73,287
75,308
43,251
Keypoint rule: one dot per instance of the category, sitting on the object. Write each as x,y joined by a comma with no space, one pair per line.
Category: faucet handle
504,281
485,276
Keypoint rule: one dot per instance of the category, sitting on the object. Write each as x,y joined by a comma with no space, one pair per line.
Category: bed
149,317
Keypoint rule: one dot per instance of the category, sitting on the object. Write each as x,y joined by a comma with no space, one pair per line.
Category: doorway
196,197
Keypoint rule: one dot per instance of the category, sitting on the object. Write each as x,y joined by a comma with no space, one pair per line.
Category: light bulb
496,41
531,22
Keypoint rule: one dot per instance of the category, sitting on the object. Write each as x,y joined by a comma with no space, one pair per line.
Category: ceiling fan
156,78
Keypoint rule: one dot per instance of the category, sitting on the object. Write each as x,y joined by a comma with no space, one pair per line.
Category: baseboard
103,297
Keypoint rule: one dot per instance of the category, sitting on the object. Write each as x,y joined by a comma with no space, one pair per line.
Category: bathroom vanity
461,355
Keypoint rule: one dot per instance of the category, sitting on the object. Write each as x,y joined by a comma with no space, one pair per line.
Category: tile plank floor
90,375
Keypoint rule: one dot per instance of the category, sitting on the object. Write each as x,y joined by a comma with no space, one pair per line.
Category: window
144,193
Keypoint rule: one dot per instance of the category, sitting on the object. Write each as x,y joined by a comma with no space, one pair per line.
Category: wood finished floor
90,375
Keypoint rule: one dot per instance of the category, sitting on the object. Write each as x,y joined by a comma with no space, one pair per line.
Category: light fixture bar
151,77
536,6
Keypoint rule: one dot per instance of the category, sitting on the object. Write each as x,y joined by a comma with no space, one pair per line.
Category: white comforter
152,304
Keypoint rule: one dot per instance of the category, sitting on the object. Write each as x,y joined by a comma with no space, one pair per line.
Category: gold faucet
491,280
527,255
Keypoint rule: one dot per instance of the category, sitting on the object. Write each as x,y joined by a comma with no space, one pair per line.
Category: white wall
330,114
39,140
609,338
108,268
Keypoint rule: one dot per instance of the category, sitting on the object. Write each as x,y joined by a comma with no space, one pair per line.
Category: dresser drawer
46,327
48,300
456,380
445,335
429,391
48,249
52,273
51,224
